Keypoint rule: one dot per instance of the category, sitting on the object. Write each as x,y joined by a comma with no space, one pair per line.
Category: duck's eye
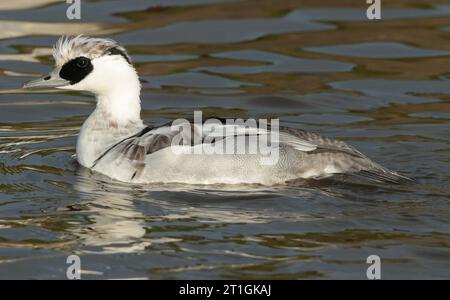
82,62
76,69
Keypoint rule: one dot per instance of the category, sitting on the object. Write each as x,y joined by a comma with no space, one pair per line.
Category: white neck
120,101
121,104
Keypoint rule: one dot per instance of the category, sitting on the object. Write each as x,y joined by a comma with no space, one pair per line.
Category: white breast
97,134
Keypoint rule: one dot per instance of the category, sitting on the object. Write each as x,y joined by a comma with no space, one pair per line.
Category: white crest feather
70,47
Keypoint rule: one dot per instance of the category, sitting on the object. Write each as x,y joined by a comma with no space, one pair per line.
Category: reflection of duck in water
114,223
114,141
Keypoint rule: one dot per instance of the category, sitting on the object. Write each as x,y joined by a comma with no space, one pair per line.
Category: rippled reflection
114,223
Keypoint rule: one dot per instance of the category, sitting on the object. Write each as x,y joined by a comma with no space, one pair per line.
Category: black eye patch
117,51
76,69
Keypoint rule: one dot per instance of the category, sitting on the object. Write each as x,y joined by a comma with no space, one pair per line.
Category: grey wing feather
323,144
346,157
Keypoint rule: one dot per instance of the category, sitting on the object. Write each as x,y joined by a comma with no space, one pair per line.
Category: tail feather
383,176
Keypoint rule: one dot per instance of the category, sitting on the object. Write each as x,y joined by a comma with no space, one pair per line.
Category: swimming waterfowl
115,142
